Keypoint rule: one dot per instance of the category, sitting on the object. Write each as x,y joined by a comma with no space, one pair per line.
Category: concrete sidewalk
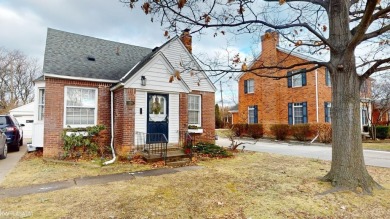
92,180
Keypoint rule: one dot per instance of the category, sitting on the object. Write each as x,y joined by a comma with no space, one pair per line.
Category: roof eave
80,78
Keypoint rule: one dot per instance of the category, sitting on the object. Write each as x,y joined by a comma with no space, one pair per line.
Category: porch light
143,80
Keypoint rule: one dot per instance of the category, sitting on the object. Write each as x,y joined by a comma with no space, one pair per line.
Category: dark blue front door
158,111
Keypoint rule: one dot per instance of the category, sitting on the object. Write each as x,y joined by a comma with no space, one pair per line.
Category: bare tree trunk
348,169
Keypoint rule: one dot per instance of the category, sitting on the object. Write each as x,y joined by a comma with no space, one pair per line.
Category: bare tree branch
375,68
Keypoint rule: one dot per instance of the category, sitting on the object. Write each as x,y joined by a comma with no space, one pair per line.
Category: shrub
382,132
280,131
300,131
81,140
324,131
211,150
240,129
255,130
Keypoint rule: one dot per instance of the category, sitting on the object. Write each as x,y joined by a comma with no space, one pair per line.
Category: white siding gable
157,72
178,56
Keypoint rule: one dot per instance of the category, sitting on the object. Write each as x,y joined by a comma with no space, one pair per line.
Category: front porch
155,147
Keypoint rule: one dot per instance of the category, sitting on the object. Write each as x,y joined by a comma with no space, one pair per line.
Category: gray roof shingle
66,54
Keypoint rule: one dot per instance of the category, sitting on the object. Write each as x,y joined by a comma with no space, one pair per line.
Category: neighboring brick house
302,98
381,112
88,81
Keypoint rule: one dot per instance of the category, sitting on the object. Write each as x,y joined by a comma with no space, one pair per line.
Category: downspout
316,76
112,132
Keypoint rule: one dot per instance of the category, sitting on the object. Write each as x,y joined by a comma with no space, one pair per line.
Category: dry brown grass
252,185
34,170
381,146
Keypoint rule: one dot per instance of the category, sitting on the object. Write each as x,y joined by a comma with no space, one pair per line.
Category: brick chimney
269,42
186,39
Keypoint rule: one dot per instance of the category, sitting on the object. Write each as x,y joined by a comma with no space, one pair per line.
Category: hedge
382,132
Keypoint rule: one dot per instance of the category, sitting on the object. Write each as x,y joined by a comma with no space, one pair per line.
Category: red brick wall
272,96
124,119
208,117
183,112
54,111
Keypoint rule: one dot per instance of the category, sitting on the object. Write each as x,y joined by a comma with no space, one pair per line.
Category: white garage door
28,122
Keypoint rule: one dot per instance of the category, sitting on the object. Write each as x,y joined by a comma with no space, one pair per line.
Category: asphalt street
322,152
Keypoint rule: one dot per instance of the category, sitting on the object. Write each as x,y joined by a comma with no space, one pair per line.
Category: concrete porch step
172,156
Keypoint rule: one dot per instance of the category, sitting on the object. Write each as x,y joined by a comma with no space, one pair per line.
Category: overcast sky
24,23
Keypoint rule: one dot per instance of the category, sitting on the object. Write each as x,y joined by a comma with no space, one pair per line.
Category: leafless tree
338,28
17,73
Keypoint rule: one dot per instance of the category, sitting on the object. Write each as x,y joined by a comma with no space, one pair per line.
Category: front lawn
377,146
34,170
251,185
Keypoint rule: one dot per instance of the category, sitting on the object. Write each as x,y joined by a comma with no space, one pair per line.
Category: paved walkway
317,151
7,164
92,180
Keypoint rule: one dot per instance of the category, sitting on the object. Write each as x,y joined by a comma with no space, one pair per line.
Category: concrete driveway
6,165
322,152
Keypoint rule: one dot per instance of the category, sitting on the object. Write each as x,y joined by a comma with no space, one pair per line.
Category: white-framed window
41,103
328,82
298,113
364,117
194,110
251,115
297,80
80,106
249,86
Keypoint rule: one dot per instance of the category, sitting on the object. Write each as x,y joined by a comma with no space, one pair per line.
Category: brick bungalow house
302,98
88,81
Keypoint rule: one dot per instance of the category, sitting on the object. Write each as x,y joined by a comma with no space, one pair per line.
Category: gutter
112,132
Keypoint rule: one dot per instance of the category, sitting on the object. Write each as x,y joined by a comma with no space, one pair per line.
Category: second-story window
249,86
327,78
298,78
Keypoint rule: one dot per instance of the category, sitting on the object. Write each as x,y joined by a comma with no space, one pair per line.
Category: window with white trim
298,113
249,86
364,117
80,106
328,81
251,115
297,80
194,110
41,103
